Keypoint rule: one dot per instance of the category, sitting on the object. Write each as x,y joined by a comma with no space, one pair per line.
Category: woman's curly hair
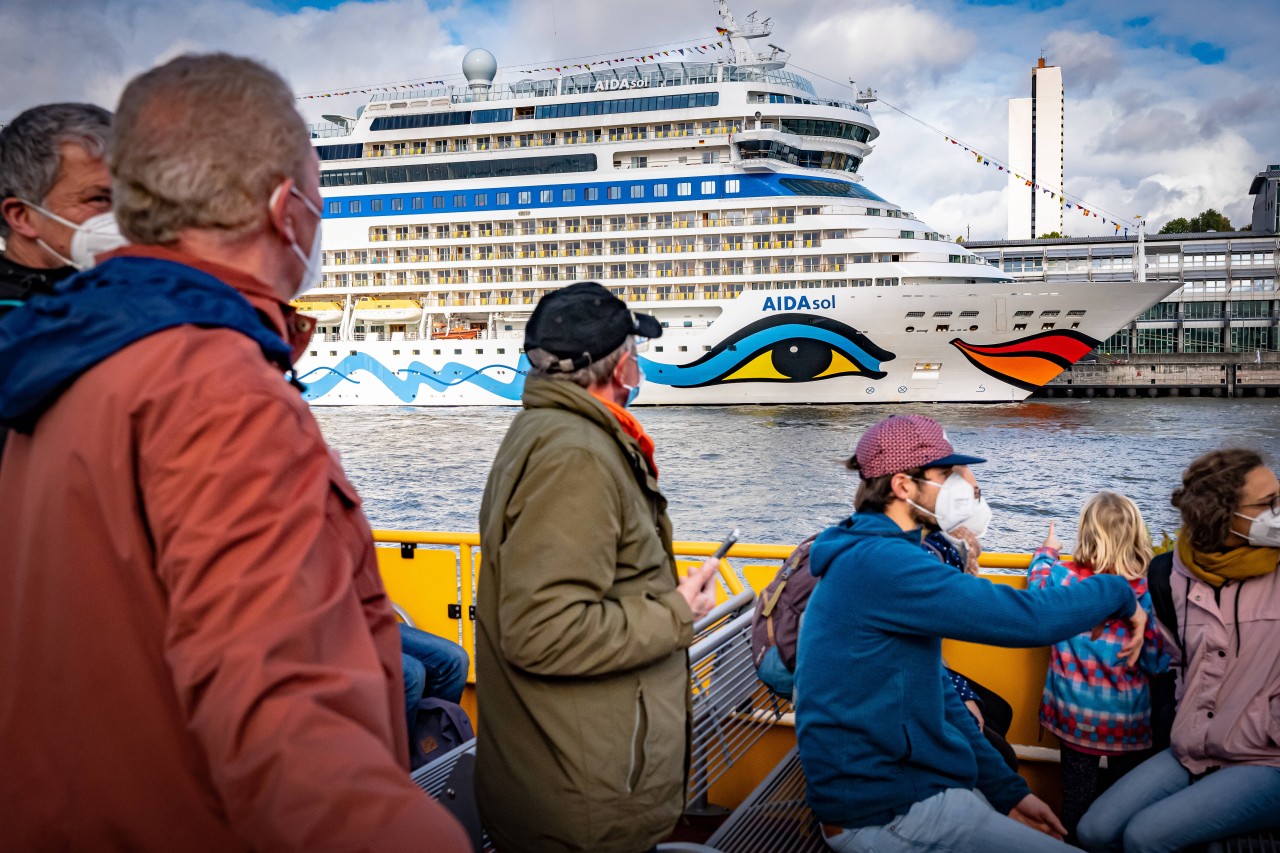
1209,494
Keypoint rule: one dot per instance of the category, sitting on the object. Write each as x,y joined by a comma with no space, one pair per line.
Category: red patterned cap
906,441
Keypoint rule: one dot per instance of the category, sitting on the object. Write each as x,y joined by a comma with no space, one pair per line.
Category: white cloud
1149,129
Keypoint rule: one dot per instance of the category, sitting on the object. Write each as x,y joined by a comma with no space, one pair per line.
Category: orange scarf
632,427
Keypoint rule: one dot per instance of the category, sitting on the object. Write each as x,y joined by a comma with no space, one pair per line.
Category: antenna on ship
479,67
741,34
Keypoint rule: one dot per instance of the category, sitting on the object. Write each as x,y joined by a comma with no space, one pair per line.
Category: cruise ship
723,197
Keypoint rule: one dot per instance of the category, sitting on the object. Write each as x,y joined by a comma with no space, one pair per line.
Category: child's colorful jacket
1092,700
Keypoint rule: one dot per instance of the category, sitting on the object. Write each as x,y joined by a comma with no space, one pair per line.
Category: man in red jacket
197,651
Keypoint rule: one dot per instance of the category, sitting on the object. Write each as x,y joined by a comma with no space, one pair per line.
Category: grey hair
202,141
595,373
31,147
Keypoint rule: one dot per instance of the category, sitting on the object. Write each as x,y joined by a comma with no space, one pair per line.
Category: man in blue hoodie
892,759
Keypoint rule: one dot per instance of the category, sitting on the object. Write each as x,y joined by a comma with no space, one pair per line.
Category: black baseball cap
582,323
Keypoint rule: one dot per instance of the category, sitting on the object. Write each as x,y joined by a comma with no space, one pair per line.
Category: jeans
775,675
1083,780
957,820
433,667
1157,808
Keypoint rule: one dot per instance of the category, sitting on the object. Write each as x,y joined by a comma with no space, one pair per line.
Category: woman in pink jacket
1221,776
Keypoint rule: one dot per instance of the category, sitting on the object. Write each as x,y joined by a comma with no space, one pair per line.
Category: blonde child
1095,703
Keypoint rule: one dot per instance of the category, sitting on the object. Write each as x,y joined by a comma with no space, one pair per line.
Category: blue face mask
633,391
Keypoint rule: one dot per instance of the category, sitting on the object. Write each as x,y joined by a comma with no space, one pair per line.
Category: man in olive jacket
583,625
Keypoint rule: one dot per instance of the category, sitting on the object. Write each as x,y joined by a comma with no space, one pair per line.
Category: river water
776,471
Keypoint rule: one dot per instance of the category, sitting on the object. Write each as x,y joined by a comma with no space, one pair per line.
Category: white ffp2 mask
95,236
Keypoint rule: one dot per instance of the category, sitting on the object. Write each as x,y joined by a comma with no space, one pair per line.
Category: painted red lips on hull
1031,362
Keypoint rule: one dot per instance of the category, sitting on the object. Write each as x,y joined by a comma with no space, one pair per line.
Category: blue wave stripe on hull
417,374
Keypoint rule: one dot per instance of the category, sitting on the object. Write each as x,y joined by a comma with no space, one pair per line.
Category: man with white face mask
55,197
178,542
892,758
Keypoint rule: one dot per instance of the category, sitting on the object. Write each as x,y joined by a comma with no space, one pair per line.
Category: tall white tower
1036,144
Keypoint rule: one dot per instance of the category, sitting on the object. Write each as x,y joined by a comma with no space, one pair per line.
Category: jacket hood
859,527
48,342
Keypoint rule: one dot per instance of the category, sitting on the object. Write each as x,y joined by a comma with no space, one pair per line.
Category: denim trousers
1156,807
957,821
433,667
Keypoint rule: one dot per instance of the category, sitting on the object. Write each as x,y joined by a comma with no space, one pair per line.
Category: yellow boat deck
432,577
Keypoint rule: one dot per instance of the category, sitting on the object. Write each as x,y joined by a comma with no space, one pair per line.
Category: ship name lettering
799,303
614,85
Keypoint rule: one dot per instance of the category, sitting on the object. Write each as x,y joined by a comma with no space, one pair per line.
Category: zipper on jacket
637,743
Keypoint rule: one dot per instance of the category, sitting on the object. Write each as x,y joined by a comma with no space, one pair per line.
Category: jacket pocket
639,737
906,745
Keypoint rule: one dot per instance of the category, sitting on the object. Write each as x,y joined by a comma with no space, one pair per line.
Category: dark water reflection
776,471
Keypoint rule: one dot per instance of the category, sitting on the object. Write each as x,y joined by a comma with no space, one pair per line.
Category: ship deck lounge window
628,105
839,189
456,171
754,149
819,127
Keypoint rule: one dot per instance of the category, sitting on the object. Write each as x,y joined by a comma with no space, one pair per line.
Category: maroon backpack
776,620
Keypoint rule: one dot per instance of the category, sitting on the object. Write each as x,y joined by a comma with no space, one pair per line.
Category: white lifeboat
324,313
387,310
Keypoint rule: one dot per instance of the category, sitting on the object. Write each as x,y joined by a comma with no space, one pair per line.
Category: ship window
1046,326
502,350
943,327
355,207
314,352
568,195
546,196
732,186
504,199
375,206
395,352
335,207
684,188
1076,312
808,186
708,187
418,202
437,202
592,193
915,313
435,352
1019,327
397,204
1050,313
481,199
637,191
615,192
942,313
457,352
659,190
417,352
968,313
1024,313
628,105
333,352
443,119
525,197
459,200
458,170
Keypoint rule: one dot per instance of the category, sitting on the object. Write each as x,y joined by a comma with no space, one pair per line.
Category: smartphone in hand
728,543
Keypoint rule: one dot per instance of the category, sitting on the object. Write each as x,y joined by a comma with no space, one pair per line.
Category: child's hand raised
1051,541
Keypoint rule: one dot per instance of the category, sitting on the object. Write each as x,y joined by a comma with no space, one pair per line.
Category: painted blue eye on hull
778,333
414,377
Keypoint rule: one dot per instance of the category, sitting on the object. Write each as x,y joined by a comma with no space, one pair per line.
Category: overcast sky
1171,105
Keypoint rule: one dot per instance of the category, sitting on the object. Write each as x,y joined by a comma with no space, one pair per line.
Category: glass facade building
1226,300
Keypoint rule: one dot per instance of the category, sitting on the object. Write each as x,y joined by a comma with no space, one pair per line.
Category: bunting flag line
987,160
368,90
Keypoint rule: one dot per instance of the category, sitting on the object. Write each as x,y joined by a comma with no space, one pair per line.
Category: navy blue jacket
880,727
49,341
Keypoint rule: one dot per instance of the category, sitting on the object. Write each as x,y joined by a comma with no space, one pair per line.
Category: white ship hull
778,347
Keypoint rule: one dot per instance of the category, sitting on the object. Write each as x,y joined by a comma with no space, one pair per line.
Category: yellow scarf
1237,564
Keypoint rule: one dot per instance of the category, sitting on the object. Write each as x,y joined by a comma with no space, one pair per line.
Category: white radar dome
479,66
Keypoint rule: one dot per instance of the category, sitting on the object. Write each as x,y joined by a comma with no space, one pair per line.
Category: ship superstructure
724,197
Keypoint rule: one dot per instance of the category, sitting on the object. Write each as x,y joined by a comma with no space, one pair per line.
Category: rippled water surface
776,471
